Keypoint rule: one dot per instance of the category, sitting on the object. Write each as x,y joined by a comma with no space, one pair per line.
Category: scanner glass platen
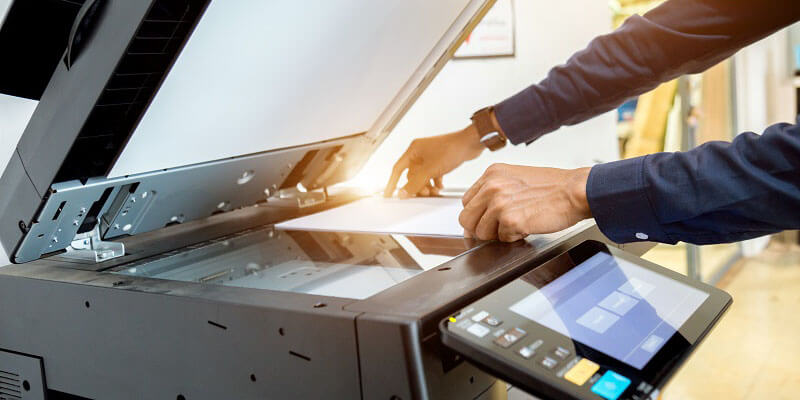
338,264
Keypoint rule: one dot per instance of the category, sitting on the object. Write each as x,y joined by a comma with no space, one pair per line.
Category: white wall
765,95
14,115
547,33
765,92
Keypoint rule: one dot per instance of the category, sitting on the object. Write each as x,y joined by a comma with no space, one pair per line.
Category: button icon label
478,330
510,337
618,303
652,343
549,362
598,320
611,385
636,288
526,352
581,372
561,352
529,350
479,316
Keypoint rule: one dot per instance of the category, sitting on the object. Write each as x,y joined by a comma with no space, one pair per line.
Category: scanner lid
206,105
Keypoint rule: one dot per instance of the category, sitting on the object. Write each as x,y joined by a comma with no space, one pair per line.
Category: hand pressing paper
432,216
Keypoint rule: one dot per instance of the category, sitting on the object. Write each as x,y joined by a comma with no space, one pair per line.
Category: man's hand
510,202
428,159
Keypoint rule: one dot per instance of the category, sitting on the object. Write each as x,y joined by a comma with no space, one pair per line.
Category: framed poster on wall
493,36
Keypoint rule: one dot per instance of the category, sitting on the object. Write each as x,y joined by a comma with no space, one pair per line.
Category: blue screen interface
614,306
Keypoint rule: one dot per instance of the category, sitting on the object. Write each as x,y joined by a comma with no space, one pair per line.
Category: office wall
14,115
765,94
765,91
547,33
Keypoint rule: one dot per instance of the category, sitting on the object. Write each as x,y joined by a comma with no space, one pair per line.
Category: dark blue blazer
718,192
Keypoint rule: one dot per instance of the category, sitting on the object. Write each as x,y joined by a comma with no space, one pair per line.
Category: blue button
611,385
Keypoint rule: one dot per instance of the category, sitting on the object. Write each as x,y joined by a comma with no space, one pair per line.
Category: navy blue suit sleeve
719,192
678,37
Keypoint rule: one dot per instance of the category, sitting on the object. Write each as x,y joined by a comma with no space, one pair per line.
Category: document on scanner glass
430,216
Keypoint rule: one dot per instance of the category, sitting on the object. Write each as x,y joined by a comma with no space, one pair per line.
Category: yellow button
581,372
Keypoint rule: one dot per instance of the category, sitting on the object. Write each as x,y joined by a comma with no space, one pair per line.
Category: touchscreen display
614,306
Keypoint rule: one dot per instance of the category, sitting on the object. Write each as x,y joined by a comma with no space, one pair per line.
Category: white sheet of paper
434,216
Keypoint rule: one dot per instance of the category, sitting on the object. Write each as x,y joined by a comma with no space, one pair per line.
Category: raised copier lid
165,111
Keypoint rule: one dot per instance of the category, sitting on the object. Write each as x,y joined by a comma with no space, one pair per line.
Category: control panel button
529,350
526,352
581,372
549,362
492,321
644,387
479,316
478,330
507,339
561,352
611,385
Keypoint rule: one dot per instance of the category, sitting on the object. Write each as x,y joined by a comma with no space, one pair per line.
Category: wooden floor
754,352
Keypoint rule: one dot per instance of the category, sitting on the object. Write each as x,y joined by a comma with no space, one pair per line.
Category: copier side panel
98,341
391,348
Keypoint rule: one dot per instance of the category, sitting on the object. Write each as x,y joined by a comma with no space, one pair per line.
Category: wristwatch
491,137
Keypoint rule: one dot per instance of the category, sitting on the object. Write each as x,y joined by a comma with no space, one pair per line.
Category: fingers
494,170
488,225
434,190
474,210
512,224
400,166
472,191
489,209
508,237
428,190
507,228
416,182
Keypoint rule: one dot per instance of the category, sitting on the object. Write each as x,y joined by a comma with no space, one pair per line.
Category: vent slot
139,73
10,385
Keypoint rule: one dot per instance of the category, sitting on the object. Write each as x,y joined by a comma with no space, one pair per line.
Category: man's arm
678,37
718,192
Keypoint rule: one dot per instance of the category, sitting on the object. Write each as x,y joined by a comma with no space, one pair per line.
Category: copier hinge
90,246
299,198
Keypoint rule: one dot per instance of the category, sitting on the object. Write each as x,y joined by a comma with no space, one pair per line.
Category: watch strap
489,136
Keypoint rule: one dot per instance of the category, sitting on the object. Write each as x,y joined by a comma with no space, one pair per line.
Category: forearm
678,37
719,192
